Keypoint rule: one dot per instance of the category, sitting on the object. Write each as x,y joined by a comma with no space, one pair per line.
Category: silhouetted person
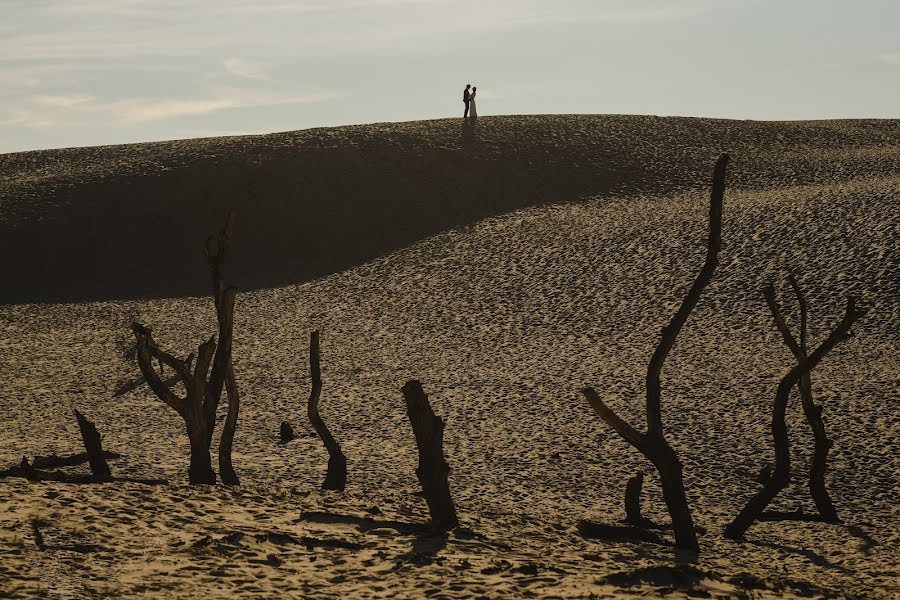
466,97
473,111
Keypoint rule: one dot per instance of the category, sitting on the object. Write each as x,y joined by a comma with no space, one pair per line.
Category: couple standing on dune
469,101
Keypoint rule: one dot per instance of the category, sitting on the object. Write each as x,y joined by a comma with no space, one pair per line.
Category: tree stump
433,469
633,514
91,438
285,432
336,477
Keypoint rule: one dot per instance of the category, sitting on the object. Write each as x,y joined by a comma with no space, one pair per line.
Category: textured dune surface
504,278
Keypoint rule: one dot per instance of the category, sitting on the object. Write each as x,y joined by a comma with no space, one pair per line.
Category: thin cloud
244,68
46,109
64,101
891,58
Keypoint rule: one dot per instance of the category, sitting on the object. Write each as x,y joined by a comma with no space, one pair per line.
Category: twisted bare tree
336,477
198,407
653,444
780,477
193,406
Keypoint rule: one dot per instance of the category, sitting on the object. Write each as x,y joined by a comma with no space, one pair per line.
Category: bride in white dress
473,112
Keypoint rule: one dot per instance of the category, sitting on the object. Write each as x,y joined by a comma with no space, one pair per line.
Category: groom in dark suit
466,100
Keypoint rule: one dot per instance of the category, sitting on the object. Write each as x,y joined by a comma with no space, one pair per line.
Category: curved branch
780,322
336,477
150,375
670,333
619,425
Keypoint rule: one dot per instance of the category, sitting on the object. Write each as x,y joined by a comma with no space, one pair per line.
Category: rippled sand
503,318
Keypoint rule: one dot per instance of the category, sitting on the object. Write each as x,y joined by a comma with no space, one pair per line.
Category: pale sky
87,72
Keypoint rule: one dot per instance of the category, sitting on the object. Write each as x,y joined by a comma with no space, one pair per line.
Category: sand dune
123,221
504,280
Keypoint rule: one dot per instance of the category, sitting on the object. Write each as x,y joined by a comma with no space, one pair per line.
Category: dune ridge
503,320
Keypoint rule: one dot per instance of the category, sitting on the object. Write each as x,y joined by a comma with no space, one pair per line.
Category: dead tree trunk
653,444
191,406
336,478
433,469
781,475
93,447
223,368
812,411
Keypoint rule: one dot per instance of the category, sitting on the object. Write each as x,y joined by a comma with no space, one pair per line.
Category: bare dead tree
222,374
653,444
433,469
781,475
93,447
336,478
198,407
193,406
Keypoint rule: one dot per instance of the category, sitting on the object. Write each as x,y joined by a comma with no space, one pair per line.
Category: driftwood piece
336,477
653,444
433,469
781,474
93,447
189,407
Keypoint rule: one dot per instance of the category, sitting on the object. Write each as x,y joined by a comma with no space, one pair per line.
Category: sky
91,72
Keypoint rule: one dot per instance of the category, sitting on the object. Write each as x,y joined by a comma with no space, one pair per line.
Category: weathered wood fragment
433,469
93,447
336,477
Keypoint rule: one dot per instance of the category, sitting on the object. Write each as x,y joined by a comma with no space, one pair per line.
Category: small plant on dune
799,375
653,444
203,386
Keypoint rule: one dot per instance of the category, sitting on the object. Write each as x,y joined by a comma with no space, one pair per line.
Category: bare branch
670,333
198,387
803,310
789,340
620,426
150,375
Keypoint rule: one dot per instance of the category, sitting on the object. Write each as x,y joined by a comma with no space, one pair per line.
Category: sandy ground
503,318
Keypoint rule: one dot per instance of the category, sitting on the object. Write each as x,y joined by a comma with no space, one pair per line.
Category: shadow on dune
128,222
301,215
